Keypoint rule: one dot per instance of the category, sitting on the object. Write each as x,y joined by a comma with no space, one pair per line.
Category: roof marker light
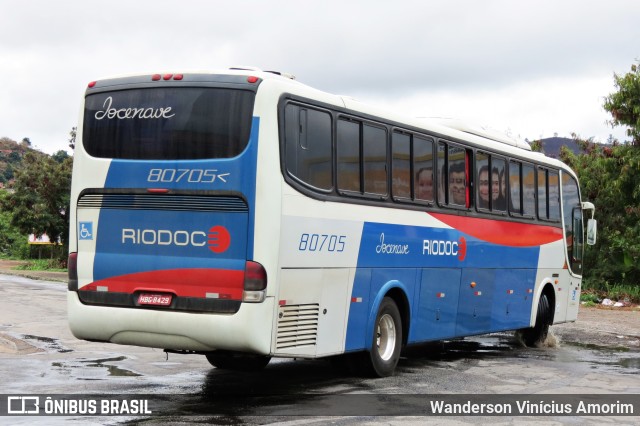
252,79
156,77
178,77
167,77
92,84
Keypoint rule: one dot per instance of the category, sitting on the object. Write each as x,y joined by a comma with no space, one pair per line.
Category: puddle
113,370
106,369
48,343
629,363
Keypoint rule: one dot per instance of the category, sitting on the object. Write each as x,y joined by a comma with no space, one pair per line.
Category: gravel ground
603,326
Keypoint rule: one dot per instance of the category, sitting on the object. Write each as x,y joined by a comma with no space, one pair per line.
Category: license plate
154,299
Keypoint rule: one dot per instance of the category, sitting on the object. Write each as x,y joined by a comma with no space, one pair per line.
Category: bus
243,215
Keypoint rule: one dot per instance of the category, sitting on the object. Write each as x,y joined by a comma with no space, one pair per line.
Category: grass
616,292
53,265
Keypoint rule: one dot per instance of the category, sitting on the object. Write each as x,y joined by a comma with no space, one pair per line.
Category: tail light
72,267
255,282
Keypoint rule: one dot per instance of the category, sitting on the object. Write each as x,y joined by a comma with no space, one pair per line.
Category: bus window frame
446,202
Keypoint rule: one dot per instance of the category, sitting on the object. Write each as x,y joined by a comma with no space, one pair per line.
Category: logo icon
85,230
23,405
462,249
219,239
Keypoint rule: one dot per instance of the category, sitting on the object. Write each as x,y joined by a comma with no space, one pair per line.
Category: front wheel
536,335
236,361
383,356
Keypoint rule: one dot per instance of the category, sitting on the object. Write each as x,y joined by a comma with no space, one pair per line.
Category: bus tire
227,360
536,335
384,353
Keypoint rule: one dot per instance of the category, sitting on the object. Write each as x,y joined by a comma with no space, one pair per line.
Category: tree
610,178
40,201
60,156
624,104
12,242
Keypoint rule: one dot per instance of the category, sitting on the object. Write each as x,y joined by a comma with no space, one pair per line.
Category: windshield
168,123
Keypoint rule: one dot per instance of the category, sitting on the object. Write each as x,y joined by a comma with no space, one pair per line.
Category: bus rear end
163,198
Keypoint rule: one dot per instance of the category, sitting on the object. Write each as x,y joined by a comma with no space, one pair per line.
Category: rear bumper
248,330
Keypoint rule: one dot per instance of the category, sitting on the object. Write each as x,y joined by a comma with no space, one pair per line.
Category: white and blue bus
243,215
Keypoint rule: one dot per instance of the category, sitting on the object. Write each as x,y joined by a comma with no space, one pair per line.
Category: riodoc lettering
445,248
163,237
129,113
440,248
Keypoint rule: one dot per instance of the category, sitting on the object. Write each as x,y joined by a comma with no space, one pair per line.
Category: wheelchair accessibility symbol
85,231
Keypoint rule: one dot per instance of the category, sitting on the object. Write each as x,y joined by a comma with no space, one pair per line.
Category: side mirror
592,231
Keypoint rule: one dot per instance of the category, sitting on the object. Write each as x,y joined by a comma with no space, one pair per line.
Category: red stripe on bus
181,282
501,232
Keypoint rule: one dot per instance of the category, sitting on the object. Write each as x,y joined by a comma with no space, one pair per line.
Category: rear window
168,123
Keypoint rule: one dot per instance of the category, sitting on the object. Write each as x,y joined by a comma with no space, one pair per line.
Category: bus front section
163,197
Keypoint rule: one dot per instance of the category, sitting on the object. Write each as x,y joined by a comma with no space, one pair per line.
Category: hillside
11,153
551,146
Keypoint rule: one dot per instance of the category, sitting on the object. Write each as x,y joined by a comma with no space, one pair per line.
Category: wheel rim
386,337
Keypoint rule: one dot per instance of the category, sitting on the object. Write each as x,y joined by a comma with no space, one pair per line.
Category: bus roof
443,127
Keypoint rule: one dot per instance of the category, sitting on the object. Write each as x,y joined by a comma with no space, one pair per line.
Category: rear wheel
237,361
383,356
536,335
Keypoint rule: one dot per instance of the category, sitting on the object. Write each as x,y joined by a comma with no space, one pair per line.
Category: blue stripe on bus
123,247
455,284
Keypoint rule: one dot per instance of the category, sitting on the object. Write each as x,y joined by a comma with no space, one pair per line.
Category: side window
457,177
548,195
308,156
423,166
374,153
515,193
572,217
554,196
498,184
362,158
348,147
454,179
443,181
491,183
542,194
401,165
528,190
483,180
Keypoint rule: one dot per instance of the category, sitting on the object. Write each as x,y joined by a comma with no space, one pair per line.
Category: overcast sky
530,69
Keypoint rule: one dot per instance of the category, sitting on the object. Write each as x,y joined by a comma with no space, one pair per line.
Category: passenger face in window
495,185
457,184
424,189
483,188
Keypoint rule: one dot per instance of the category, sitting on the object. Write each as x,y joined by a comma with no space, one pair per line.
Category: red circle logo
219,239
462,249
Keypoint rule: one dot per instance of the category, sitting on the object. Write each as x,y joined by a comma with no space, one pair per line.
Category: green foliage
610,178
43,265
624,104
536,145
40,201
13,244
596,291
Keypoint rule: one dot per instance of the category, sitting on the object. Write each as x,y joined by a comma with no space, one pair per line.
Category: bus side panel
312,313
359,310
435,316
513,300
475,301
